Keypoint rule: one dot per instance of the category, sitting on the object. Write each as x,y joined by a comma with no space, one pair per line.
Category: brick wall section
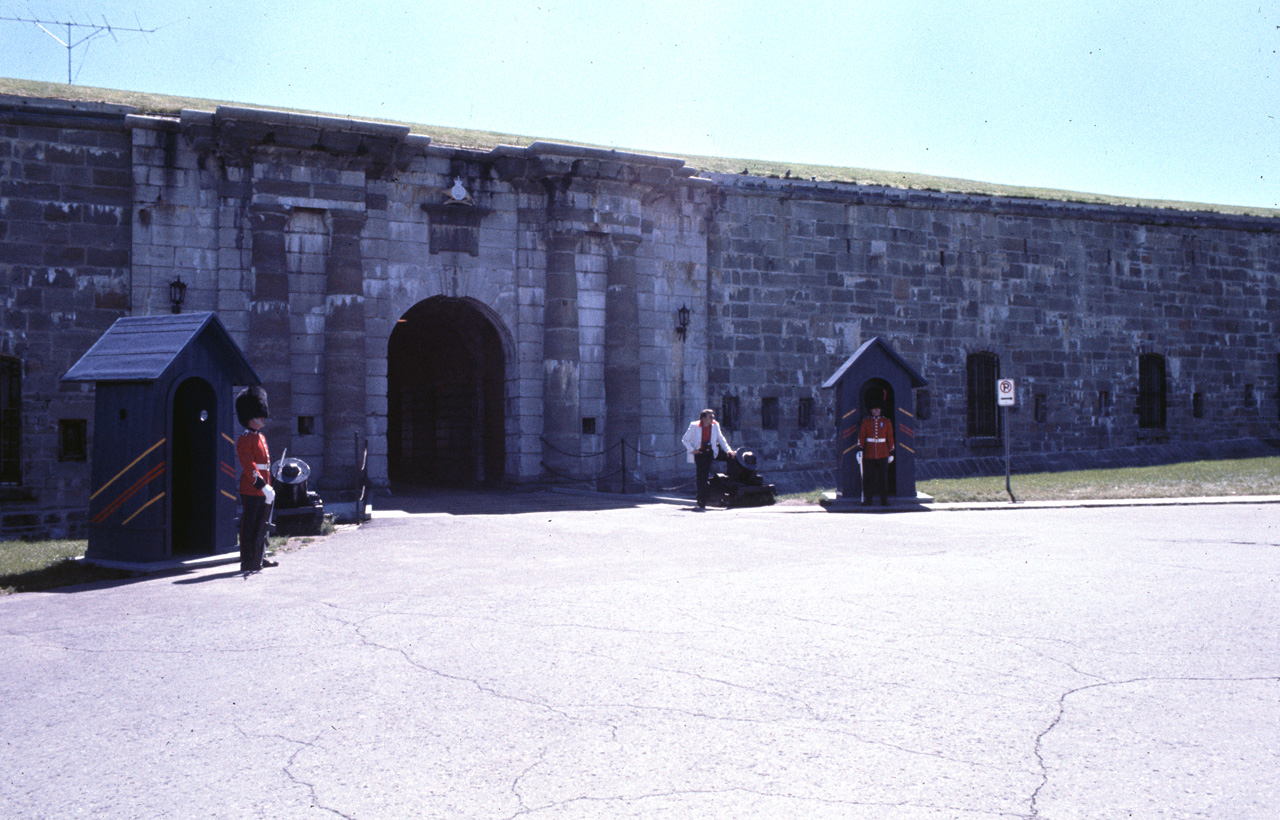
64,278
1068,296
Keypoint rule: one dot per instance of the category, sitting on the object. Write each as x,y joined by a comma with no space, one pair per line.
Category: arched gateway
445,396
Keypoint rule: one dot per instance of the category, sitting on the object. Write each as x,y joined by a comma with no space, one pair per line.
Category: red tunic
251,450
875,437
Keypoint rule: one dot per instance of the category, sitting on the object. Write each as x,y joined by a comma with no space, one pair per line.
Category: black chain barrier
621,447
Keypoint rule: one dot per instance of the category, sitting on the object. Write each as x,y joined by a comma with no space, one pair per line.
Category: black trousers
702,474
875,479
253,532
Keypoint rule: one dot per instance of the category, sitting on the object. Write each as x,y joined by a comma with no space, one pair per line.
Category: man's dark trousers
702,474
253,532
875,480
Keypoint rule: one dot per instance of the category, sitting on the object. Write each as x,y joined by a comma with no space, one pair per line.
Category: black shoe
267,563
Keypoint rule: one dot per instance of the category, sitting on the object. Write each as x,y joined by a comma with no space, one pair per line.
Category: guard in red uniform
875,451
256,494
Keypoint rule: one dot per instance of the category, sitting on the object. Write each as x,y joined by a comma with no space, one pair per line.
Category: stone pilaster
344,353
622,351
562,435
269,337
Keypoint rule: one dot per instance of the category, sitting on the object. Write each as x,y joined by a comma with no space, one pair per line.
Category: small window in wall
10,420
924,404
588,427
1042,409
804,414
1104,402
73,440
306,425
1197,405
1250,398
769,413
729,413
1153,394
982,371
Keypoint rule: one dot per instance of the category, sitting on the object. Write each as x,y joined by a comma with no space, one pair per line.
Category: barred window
769,413
983,371
729,413
1153,393
804,417
10,420
73,440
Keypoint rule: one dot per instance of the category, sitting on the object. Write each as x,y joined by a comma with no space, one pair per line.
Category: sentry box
163,461
875,374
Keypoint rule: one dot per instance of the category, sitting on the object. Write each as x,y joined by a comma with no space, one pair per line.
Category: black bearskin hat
251,404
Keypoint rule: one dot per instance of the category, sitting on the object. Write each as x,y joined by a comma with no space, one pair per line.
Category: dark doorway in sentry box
195,444
446,374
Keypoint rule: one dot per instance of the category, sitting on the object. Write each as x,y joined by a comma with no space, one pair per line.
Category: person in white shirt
703,442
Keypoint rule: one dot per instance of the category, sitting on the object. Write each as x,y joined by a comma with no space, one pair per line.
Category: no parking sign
1005,393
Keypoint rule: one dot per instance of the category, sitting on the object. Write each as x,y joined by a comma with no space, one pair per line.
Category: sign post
1006,396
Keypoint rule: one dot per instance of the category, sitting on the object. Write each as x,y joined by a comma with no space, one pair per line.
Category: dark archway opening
193,498
878,392
446,419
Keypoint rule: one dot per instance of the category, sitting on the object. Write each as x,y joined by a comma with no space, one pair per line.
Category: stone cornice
854,194
242,134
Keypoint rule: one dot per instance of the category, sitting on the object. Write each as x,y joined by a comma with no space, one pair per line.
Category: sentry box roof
142,348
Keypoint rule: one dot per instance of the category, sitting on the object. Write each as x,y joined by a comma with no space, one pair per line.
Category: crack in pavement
515,783
481,687
805,706
287,768
1062,708
679,793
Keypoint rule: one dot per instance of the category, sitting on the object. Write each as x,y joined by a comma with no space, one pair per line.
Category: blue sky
1166,100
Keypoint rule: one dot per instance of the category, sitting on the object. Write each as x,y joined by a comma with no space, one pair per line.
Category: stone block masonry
1066,296
65,206
534,294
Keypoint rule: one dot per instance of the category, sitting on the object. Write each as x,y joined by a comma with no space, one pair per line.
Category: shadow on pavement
451,501
217,576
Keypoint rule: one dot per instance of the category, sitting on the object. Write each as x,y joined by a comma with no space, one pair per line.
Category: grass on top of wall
170,105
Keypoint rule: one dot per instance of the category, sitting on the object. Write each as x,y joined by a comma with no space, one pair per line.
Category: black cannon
297,511
741,485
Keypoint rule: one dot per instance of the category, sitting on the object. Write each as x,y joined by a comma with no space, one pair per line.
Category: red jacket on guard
875,437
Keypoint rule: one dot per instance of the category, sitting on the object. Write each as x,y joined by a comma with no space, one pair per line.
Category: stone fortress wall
1067,296
391,291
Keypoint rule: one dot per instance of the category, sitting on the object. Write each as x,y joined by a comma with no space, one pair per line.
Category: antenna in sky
93,30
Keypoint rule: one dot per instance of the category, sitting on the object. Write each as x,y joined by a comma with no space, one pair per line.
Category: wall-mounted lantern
177,293
682,322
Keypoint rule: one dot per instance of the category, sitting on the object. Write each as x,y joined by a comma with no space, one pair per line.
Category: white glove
858,455
269,494
890,459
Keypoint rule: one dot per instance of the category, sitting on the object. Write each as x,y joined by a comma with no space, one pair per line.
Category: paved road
485,658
